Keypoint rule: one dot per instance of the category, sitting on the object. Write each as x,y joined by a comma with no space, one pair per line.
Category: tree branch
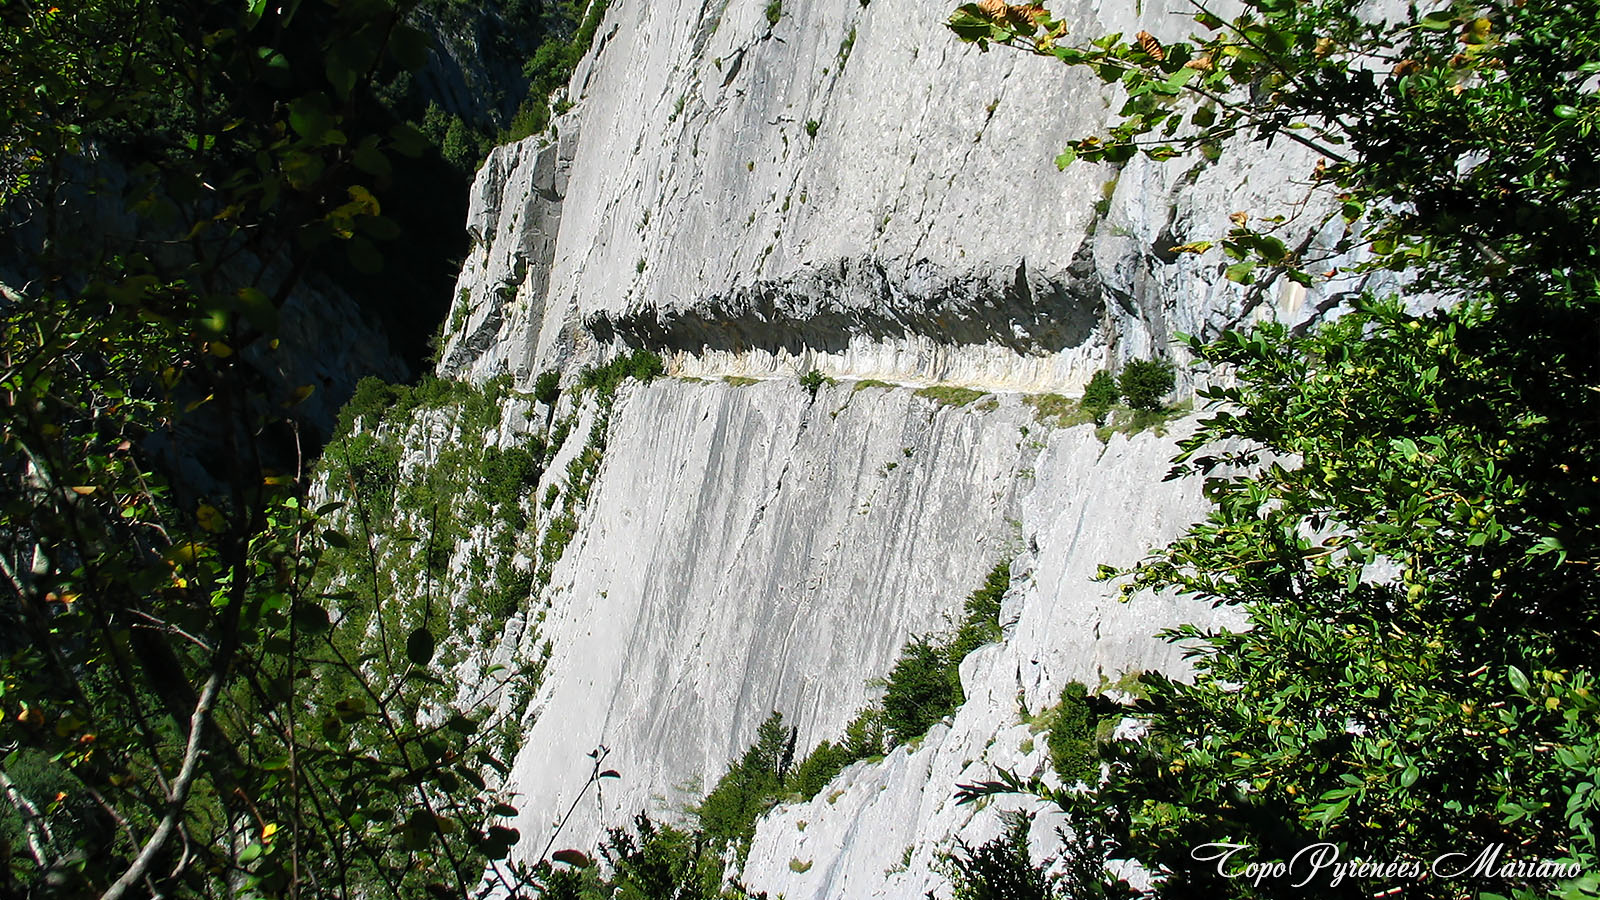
178,799
32,822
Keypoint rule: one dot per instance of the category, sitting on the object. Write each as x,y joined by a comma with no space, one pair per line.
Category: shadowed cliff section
823,308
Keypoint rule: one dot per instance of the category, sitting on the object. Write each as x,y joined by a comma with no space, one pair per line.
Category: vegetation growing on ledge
1150,383
920,692
1077,725
550,68
813,381
1144,383
1099,396
408,522
949,395
873,383
640,364
1058,410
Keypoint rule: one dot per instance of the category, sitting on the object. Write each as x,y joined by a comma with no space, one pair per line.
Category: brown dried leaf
1151,46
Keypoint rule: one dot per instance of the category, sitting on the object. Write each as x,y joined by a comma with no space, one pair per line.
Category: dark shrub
1146,382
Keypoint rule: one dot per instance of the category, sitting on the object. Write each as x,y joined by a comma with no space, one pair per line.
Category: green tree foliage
925,684
1000,868
1144,383
863,739
549,69
923,688
513,41
1406,510
660,862
640,364
650,861
547,388
768,772
1072,736
171,667
980,613
1100,395
728,813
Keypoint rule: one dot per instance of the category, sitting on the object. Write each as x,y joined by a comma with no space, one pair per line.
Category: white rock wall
922,233
1086,504
748,548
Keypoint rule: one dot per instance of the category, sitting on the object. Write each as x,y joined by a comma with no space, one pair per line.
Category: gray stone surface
923,232
748,548
1086,504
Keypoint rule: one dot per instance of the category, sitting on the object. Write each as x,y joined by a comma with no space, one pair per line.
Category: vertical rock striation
853,190
846,189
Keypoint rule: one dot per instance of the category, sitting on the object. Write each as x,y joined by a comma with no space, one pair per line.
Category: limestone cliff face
851,190
750,549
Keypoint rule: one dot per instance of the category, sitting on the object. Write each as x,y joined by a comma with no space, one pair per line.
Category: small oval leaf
573,858
419,647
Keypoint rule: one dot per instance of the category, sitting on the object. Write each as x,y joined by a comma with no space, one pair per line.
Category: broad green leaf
420,646
1519,681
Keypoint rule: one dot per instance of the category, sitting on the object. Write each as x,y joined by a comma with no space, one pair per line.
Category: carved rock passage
848,189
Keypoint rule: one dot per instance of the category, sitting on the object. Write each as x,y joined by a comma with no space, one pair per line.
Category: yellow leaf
83,489
268,831
363,200
210,518
198,403
186,552
219,349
